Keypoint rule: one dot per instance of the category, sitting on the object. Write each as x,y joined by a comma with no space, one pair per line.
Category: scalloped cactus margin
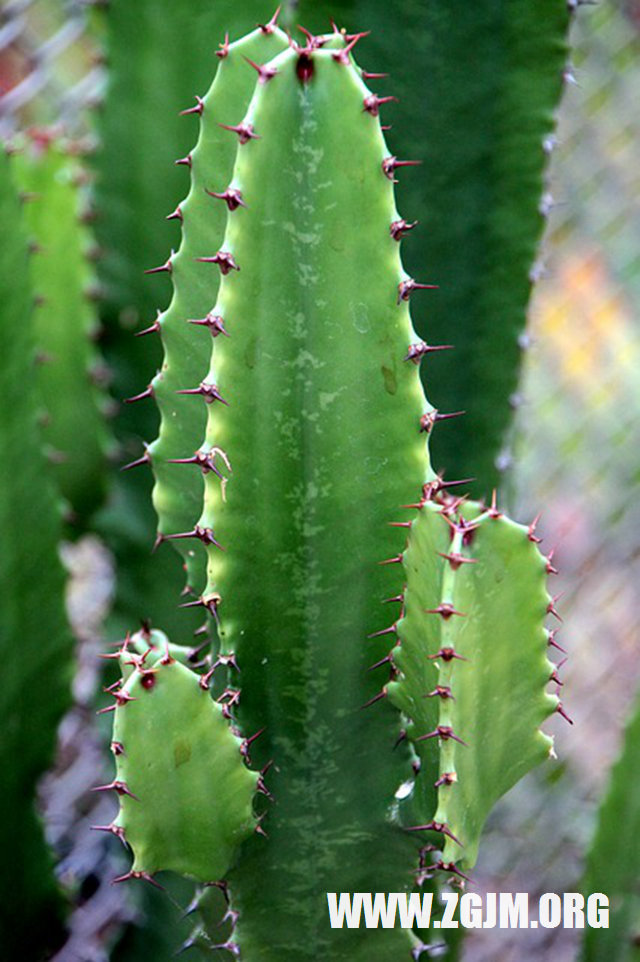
315,403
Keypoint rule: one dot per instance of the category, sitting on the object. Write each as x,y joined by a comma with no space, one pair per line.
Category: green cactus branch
49,171
35,643
314,432
476,100
612,862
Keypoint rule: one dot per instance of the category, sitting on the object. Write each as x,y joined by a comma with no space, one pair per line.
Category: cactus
159,56
48,171
35,643
314,434
195,788
476,101
612,862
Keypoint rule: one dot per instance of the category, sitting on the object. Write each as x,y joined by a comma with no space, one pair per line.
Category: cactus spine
316,430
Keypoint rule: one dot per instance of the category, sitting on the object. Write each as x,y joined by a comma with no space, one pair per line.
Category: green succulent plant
294,432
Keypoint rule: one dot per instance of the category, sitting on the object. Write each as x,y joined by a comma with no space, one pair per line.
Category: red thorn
245,132
122,697
399,524
214,323
432,488
246,744
416,352
447,778
313,42
176,214
447,654
224,47
392,561
372,104
159,538
148,392
231,197
145,459
153,329
372,701
441,691
383,661
272,24
139,875
265,73
440,827
203,459
210,602
399,227
259,829
562,712
493,509
551,610
405,288
456,559
532,527
554,677
549,563
391,164
167,266
116,830
401,738
342,56
207,390
367,75
445,610
445,732
117,748
223,259
116,786
427,421
383,631
197,109
551,640
202,534
450,867
386,601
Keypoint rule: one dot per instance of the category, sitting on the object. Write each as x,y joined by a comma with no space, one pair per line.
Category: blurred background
573,453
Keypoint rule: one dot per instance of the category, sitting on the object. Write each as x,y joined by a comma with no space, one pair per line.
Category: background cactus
35,642
613,859
308,285
48,171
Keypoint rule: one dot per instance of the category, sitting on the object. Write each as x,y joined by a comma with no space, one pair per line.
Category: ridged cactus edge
293,429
